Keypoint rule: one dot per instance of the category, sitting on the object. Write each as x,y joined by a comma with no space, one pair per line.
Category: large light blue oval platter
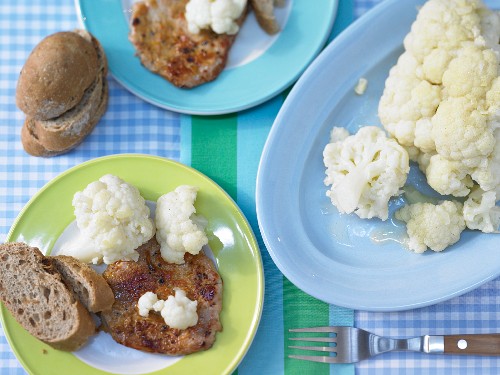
259,67
342,259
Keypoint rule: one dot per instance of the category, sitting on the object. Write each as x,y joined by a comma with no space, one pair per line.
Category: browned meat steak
130,280
165,46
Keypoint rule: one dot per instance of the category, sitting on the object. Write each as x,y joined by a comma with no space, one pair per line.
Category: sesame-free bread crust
59,134
35,294
39,138
56,74
90,287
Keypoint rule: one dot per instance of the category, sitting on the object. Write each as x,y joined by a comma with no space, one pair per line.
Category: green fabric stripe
302,310
213,149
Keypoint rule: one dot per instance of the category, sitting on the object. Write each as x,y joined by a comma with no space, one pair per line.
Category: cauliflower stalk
113,215
364,170
432,226
442,99
177,230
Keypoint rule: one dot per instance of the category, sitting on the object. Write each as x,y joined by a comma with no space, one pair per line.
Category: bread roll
56,74
60,134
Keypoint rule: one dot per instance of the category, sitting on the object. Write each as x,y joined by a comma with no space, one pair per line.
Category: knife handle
480,344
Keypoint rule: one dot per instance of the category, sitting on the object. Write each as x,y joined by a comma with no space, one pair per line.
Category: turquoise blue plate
342,259
259,67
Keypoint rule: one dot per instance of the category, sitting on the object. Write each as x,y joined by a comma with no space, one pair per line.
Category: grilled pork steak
130,280
161,38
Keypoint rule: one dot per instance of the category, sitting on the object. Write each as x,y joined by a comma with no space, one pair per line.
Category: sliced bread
35,294
90,287
41,139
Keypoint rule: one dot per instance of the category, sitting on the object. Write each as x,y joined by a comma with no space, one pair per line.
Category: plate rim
271,243
234,362
229,109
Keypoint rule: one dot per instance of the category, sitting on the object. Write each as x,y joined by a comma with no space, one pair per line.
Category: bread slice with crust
90,287
35,294
55,137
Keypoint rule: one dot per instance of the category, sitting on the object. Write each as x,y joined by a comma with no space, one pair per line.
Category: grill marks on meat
164,45
130,280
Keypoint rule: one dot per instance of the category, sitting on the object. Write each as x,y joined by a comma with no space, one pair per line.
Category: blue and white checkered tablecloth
132,126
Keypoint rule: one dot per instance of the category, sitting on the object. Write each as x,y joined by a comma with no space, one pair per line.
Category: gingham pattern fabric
131,125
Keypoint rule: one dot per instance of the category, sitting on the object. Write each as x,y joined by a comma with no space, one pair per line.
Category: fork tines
326,349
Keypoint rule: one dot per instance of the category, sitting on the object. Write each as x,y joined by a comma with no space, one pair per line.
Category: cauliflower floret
219,15
146,303
114,216
433,226
462,132
471,72
448,177
177,311
480,211
442,97
365,171
487,174
176,231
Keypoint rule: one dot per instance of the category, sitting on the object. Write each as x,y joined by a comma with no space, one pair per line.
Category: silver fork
351,344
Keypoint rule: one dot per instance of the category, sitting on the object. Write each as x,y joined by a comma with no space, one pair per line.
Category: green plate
231,239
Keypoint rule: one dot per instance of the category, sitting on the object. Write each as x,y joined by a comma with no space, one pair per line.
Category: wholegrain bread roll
60,134
35,294
56,74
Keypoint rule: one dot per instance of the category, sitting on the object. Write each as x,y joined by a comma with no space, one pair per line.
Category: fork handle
481,344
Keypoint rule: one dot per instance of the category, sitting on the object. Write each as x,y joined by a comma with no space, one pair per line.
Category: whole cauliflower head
364,170
115,217
176,231
443,95
432,226
480,211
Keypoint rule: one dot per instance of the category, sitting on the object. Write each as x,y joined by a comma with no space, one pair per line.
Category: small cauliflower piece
176,231
432,226
441,100
219,15
361,86
146,303
178,311
480,211
114,216
364,170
